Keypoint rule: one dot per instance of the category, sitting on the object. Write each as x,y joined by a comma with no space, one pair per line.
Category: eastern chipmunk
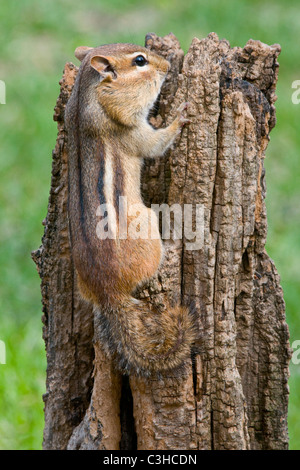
108,137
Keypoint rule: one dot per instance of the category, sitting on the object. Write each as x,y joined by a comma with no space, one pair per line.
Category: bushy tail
146,341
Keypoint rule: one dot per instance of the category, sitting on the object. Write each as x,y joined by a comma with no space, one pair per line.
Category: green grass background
37,37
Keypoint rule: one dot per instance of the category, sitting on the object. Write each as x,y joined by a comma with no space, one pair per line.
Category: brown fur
108,135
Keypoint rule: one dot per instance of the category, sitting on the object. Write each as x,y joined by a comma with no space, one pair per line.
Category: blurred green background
37,37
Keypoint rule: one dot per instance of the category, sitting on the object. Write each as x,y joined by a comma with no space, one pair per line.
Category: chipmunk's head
127,78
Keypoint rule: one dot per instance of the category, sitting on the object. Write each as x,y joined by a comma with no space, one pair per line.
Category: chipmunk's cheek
147,75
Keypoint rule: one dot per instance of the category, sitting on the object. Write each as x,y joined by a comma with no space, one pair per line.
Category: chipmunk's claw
182,107
183,120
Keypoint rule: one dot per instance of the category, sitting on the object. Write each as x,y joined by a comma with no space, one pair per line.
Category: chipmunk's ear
81,52
104,66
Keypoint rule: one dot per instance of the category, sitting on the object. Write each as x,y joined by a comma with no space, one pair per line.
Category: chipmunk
108,138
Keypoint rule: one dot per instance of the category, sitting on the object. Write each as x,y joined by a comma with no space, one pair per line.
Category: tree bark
234,392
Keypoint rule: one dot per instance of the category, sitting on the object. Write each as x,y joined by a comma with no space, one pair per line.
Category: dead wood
234,394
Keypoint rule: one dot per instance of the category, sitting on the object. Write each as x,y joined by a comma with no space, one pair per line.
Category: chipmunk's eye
140,61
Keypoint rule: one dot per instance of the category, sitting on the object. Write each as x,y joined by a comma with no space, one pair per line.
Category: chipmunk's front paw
182,120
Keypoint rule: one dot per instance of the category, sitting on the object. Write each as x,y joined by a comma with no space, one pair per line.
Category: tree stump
234,392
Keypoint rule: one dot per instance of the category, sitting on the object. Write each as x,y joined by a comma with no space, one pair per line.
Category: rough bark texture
234,393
